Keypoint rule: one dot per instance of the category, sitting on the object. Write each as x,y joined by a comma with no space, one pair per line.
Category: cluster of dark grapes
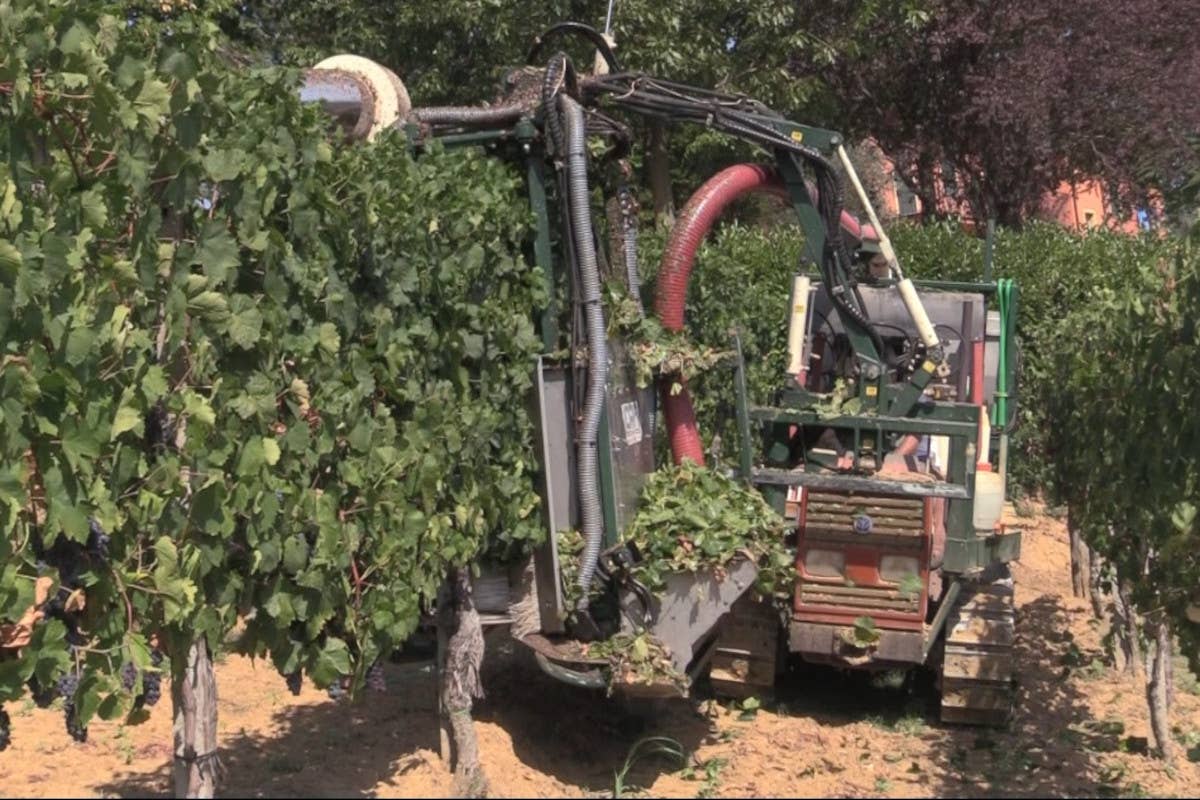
97,543
129,674
71,560
151,681
160,429
67,686
43,696
5,730
340,686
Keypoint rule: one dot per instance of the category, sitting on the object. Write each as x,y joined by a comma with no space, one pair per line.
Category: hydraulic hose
592,679
1004,289
587,31
559,74
579,207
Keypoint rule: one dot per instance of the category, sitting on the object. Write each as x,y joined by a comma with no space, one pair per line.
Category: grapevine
1132,380
299,402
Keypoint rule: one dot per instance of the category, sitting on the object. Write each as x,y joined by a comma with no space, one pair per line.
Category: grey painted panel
690,607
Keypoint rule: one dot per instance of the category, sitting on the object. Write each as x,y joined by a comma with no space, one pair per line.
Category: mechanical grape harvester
894,492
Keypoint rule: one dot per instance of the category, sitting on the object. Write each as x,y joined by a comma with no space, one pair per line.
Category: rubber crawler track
977,669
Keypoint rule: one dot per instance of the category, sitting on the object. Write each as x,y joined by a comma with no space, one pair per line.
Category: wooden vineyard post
1080,561
194,702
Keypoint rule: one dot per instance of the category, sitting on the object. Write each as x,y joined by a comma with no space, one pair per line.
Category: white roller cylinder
984,455
885,244
989,485
797,325
391,98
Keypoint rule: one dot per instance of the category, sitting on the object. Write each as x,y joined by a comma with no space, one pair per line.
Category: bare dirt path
1079,730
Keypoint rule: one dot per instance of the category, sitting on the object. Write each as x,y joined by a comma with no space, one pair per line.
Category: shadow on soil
580,738
327,750
1053,746
349,750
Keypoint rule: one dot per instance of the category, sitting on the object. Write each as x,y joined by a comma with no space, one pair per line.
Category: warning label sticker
633,422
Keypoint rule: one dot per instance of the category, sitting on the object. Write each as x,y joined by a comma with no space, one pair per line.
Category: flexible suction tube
697,218
588,461
695,221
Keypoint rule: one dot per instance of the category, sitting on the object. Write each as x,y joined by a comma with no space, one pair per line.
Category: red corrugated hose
702,211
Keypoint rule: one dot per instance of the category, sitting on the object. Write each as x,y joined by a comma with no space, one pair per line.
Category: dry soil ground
1078,731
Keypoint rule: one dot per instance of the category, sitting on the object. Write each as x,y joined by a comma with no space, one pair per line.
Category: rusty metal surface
880,484
746,654
467,116
864,599
522,86
865,528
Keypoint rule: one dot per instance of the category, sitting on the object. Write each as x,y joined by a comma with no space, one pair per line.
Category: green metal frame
887,410
967,550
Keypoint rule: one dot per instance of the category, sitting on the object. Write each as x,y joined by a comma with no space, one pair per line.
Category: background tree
1018,96
452,52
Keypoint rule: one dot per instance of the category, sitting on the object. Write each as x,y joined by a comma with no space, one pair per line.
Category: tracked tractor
884,445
